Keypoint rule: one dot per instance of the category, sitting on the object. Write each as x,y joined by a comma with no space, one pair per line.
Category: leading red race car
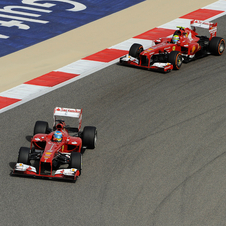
56,153
168,53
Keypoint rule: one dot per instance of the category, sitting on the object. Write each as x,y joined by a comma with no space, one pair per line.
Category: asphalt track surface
160,157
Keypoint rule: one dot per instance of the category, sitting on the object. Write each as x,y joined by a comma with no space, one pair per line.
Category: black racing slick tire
89,137
41,127
175,59
217,46
76,160
135,50
23,156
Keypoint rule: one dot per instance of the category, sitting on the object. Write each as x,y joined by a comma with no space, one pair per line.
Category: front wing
129,60
21,169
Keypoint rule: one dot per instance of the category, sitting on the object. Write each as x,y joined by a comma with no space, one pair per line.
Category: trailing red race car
169,53
56,153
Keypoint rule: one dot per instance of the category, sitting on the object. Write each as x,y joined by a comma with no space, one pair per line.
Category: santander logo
18,14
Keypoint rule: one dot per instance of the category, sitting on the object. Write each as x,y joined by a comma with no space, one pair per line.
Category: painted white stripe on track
23,91
34,95
81,66
177,22
219,5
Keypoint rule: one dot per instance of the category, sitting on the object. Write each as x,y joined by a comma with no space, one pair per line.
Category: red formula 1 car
57,152
169,53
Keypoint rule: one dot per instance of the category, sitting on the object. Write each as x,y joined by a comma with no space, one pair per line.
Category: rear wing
206,25
68,112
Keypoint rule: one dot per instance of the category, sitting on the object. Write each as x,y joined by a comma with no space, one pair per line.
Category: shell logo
193,49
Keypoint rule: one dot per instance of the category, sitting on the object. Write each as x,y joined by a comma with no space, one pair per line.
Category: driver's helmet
175,39
57,136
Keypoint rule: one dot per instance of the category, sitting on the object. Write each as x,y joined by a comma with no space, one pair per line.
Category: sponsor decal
50,150
174,47
213,30
193,49
65,110
167,67
26,22
46,157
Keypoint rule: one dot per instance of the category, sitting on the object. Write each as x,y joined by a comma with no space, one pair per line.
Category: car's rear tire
89,137
76,160
41,127
23,156
217,46
175,59
135,50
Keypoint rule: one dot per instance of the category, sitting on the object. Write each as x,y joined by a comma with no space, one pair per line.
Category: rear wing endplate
68,112
206,25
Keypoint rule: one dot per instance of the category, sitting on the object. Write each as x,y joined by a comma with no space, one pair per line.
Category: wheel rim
95,140
221,47
179,61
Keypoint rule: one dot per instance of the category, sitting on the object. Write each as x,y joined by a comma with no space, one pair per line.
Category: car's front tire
135,50
41,127
175,59
23,156
76,160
